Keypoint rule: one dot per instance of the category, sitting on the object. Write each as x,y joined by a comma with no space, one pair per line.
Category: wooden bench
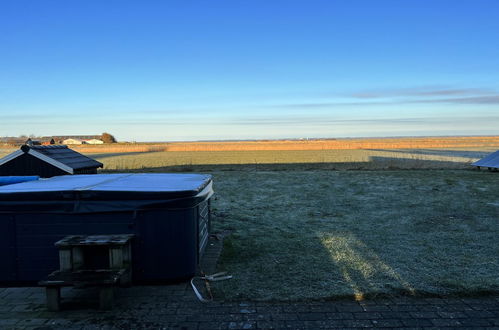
77,256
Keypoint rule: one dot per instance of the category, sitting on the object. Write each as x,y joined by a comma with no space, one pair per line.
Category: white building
72,141
93,141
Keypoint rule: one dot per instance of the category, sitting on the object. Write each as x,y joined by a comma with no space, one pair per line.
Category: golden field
314,144
318,144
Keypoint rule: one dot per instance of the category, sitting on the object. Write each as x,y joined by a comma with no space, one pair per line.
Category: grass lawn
454,158
323,234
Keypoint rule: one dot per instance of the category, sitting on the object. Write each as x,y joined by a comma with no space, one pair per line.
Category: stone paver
176,307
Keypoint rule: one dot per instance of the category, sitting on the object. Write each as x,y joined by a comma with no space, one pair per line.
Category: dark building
491,162
47,161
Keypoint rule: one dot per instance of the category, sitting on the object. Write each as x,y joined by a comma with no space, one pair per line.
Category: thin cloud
265,121
460,92
491,99
420,92
462,96
322,105
317,120
276,121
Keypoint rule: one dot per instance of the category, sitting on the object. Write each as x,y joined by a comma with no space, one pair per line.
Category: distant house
47,161
46,142
60,138
73,141
93,141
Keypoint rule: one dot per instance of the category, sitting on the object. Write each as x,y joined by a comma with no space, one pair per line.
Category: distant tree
108,138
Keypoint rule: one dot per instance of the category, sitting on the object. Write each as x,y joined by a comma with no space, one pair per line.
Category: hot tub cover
106,193
5,180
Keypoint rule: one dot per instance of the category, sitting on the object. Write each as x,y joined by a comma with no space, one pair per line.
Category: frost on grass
325,234
452,158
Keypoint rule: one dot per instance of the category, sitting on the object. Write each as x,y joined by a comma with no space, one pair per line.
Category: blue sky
193,70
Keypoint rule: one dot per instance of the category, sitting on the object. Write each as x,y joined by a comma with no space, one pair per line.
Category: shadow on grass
396,163
433,152
117,154
374,163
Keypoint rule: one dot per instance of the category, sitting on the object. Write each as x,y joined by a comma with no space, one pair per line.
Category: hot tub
169,214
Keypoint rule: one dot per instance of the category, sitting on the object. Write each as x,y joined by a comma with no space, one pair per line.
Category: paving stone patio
176,307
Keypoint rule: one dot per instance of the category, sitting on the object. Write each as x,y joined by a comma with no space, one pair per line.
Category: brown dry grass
333,144
340,144
319,144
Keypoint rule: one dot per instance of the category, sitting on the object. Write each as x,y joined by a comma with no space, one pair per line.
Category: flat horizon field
456,152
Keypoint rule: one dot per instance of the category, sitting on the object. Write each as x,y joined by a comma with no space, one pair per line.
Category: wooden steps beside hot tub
77,268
